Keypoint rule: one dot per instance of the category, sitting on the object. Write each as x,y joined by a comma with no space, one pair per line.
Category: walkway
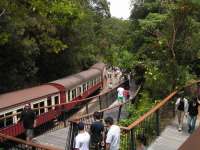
171,138
58,137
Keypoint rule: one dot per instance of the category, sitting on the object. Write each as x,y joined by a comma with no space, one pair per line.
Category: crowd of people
101,136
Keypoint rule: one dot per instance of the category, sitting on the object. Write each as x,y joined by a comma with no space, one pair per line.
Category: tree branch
2,12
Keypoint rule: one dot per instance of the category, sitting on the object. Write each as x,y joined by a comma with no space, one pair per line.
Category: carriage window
1,121
69,95
88,85
56,100
84,87
73,93
42,109
49,103
78,91
9,120
93,82
19,111
36,106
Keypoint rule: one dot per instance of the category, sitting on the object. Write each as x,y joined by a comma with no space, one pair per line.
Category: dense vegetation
164,37
42,40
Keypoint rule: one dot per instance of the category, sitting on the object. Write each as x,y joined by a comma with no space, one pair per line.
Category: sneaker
179,129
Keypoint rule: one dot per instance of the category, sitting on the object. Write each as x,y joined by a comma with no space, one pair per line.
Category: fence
88,118
60,116
12,143
149,125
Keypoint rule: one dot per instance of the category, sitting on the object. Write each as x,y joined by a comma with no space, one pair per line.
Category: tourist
82,140
182,108
28,118
120,94
193,112
113,135
96,132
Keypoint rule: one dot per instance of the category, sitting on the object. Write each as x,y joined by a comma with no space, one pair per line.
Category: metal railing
11,143
59,117
59,113
150,125
88,118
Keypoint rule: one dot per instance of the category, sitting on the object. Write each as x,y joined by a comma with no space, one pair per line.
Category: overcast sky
120,8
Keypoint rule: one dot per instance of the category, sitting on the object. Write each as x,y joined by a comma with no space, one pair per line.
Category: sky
120,8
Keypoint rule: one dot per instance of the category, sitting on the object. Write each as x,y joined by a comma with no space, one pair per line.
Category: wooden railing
150,124
9,142
88,118
103,99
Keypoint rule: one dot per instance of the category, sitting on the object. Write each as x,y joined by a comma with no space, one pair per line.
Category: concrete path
171,138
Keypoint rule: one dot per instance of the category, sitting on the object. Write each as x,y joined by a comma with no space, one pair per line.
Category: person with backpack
97,132
182,109
193,112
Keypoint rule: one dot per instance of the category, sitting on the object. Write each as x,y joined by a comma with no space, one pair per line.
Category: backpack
181,105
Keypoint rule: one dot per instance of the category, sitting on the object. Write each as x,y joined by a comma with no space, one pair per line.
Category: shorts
95,146
29,133
120,98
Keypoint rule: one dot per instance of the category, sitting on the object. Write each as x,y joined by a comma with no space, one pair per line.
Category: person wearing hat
82,140
28,118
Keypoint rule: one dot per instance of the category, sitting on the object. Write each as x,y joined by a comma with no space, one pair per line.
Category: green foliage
142,105
165,40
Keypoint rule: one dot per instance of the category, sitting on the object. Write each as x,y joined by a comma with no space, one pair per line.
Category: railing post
119,113
87,109
132,142
73,132
174,109
100,104
107,103
158,122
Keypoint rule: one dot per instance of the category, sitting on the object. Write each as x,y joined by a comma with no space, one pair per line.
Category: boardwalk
171,138
58,137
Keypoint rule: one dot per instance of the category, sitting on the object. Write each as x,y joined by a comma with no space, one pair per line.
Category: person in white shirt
182,109
113,135
82,140
120,94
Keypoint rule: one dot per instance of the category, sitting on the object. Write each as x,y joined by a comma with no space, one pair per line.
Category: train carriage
64,91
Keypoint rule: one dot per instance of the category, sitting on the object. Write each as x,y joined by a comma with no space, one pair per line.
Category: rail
148,125
102,101
88,119
153,122
9,142
72,102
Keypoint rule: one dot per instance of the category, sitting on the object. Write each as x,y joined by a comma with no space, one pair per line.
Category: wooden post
158,122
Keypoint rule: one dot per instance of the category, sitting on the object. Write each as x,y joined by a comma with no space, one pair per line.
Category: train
67,91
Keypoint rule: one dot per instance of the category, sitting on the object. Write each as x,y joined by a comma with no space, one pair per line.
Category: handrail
7,137
72,102
118,105
151,111
159,105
